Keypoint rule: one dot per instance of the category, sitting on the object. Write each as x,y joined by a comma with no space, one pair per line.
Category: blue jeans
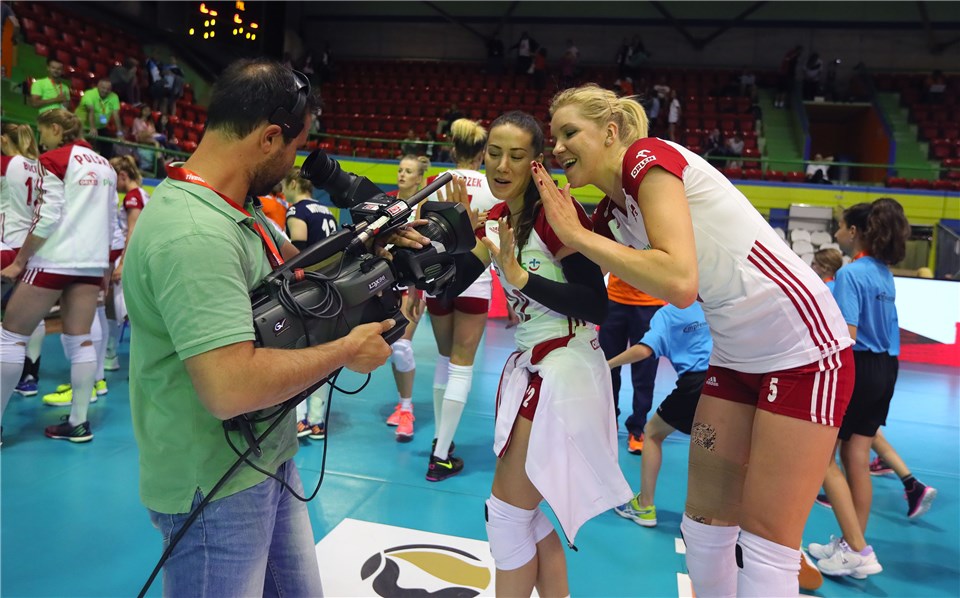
624,327
257,542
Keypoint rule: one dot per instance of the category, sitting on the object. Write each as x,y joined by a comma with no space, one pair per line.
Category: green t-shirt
48,90
187,273
102,108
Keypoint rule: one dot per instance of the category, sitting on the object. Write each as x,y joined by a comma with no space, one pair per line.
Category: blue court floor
73,525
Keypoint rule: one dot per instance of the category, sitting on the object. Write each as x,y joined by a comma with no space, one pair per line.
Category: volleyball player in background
876,234
410,174
555,434
18,193
308,223
458,324
63,258
679,230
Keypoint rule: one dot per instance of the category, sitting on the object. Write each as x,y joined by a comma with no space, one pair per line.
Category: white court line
680,546
684,587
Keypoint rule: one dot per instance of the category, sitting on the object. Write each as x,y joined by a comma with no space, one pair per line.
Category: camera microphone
391,212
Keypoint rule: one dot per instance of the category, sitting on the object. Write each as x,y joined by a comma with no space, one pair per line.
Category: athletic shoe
810,577
823,501
433,447
645,516
100,387
111,364
919,498
64,396
405,426
824,551
303,428
317,432
879,467
846,561
27,387
635,444
441,469
67,431
394,419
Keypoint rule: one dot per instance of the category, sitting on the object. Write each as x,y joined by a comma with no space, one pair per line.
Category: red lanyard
859,255
182,174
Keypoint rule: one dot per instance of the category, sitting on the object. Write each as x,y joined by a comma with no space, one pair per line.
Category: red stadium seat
897,182
774,175
919,184
751,158
752,173
733,172
41,49
795,177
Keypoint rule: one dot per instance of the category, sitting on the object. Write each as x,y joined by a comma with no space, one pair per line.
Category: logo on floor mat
462,573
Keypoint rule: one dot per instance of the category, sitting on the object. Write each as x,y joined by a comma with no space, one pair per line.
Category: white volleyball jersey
538,323
481,199
19,179
766,308
77,211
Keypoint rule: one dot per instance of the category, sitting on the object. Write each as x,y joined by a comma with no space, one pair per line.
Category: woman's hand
413,306
117,273
456,191
558,206
12,272
506,256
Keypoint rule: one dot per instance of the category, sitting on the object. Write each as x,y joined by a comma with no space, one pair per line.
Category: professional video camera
318,297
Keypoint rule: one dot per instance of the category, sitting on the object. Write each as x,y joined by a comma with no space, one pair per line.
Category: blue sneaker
645,516
27,387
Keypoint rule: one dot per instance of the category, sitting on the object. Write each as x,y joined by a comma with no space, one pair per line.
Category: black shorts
872,391
680,405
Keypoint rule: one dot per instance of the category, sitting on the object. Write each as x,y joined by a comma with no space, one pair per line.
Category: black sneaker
66,431
441,469
919,498
823,501
433,447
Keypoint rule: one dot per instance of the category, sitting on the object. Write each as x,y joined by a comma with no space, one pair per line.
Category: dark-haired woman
555,435
876,235
63,258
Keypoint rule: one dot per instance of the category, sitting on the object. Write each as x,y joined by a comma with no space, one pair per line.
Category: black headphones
291,121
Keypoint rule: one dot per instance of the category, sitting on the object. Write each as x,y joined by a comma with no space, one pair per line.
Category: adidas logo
711,381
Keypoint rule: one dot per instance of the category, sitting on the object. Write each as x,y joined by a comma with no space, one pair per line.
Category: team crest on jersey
89,180
533,265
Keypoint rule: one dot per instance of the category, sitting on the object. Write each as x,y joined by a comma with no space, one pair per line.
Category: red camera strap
273,254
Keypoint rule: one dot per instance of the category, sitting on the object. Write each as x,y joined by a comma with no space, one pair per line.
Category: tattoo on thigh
704,436
698,518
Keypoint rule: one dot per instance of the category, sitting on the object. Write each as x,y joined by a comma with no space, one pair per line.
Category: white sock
441,372
99,340
81,380
113,333
766,568
35,344
317,405
12,353
454,400
406,404
711,557
302,410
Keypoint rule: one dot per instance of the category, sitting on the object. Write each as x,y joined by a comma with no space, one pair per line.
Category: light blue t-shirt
866,295
682,336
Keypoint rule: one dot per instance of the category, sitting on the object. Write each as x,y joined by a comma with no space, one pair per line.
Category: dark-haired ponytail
883,227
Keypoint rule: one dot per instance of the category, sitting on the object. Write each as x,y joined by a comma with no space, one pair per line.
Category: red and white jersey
767,309
538,323
19,178
135,199
77,208
481,199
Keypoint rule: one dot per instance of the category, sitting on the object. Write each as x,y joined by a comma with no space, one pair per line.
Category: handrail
884,120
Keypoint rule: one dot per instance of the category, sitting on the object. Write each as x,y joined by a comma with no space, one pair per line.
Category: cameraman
200,246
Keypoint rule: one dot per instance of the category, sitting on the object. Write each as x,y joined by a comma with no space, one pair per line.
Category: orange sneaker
635,444
405,426
394,419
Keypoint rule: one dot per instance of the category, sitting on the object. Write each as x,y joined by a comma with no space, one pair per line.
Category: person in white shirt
781,372
63,258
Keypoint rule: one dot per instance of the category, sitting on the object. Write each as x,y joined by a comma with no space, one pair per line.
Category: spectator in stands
173,82
638,56
97,107
495,55
662,89
568,65
734,148
144,132
444,122
411,144
155,82
540,68
673,116
623,57
788,76
52,91
651,104
936,87
123,77
713,146
748,83
624,87
813,77
526,47
818,170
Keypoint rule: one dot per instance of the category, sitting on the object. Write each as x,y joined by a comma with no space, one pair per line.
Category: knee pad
458,384
441,372
719,487
510,534
403,358
76,351
13,346
541,526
